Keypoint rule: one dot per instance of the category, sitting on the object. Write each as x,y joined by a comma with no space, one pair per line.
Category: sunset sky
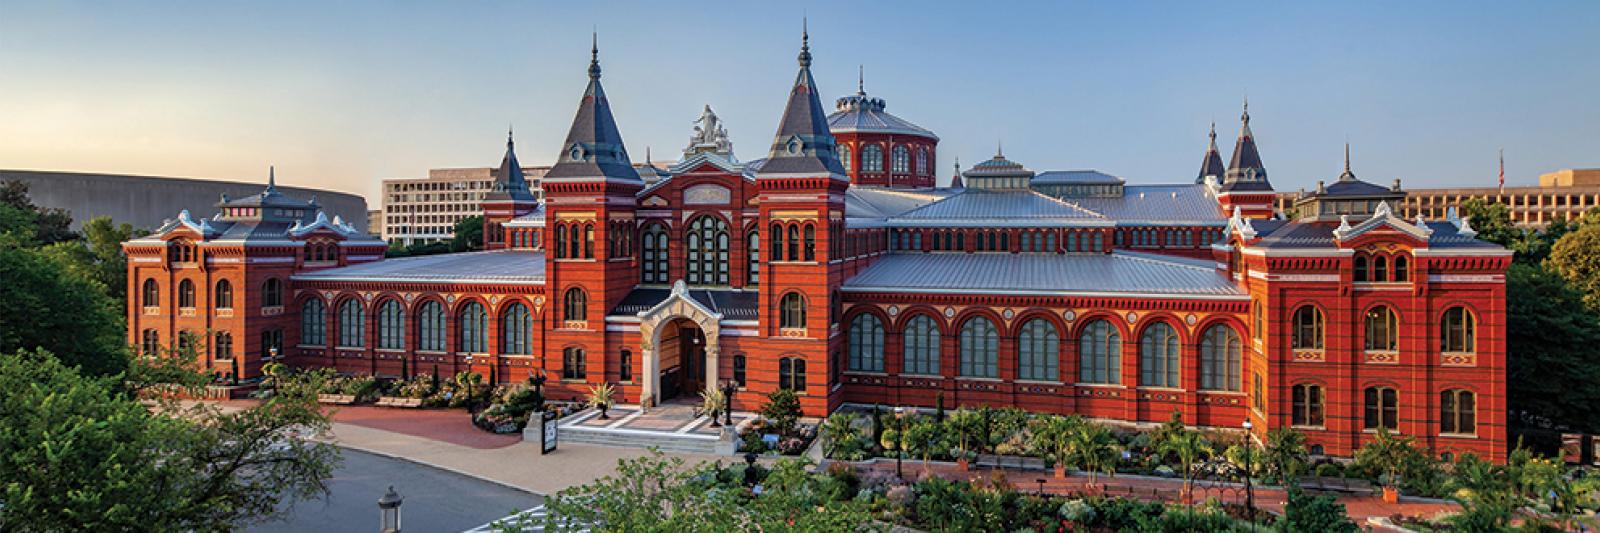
341,95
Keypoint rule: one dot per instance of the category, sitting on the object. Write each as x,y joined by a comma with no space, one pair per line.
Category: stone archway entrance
677,330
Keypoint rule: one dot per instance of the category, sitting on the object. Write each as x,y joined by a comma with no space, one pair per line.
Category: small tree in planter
602,397
1094,448
837,429
783,411
1388,456
1191,448
1053,434
965,427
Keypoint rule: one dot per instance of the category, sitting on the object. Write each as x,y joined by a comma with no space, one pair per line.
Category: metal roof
731,304
1157,204
1277,234
1009,208
1075,177
1116,274
513,267
860,113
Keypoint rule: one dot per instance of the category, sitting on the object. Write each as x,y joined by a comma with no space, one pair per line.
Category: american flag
1502,170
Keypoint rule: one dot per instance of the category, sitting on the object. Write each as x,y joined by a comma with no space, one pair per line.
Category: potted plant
1095,449
1388,455
965,427
712,402
602,397
1191,448
1054,434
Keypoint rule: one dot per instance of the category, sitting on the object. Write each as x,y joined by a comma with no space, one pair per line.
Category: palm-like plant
1094,449
1286,454
838,428
1054,434
1388,455
602,397
966,428
712,402
1190,448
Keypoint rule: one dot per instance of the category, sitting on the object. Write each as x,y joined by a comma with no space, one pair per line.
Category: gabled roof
803,145
593,150
731,304
533,219
1115,274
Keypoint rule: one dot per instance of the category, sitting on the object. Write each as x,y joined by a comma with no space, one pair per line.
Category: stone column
651,377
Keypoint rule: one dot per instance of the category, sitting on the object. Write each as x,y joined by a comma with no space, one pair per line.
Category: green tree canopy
1551,338
1577,257
468,234
51,224
48,302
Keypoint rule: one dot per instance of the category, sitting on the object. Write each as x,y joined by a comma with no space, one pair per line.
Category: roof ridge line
1069,204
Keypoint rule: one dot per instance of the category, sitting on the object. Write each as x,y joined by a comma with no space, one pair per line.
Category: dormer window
576,154
794,146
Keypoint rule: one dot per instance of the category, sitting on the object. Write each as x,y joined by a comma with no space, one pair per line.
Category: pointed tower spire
1347,175
1245,171
594,56
593,150
955,179
272,179
1211,164
861,80
805,43
803,144
509,182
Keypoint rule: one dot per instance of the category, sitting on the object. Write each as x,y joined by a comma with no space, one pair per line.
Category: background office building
427,209
1565,194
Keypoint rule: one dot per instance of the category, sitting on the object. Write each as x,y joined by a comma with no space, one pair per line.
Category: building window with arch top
792,374
655,254
561,241
588,241
1457,331
1158,356
150,342
272,293
224,294
1360,273
739,369
1307,328
151,294
777,242
794,242
708,251
1458,412
352,324
921,346
980,349
575,307
1100,354
391,326
811,242
572,363
625,366
752,243
1220,359
902,160
516,330
313,323
1382,408
474,326
1382,329
1038,351
1306,405
866,344
792,311
430,327
186,294
871,158
1402,272
844,158
922,161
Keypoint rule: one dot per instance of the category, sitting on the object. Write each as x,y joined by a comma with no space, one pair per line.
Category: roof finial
1246,116
805,43
999,150
510,132
272,179
861,80
1347,157
647,156
594,55
1213,133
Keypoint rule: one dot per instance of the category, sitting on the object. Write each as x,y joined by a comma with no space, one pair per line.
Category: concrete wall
146,201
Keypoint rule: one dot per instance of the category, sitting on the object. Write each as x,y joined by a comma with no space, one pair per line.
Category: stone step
601,437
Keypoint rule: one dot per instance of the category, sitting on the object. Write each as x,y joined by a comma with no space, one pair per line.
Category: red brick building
1067,291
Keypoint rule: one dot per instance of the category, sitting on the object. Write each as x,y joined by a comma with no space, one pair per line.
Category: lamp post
899,441
389,512
1249,492
729,387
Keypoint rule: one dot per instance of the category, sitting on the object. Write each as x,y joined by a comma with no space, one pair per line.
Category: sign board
547,433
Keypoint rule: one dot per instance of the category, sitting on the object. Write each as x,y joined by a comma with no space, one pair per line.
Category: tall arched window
1380,269
313,323
776,242
921,346
902,160
844,157
151,294
1457,331
1382,329
1402,271
1158,356
1307,405
1458,412
391,326
752,242
794,242
980,349
222,347
561,241
1307,328
352,324
430,327
792,374
1100,354
792,311
707,243
866,344
1038,351
1382,408
576,306
186,294
272,293
922,161
655,254
811,242
588,241
1220,360
224,294
574,363
473,323
872,158
1258,315
516,330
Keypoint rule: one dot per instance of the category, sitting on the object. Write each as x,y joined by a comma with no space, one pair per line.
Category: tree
1492,221
1577,258
47,303
1305,513
468,234
1094,449
51,224
966,428
1550,337
1190,447
1054,434
1389,456
1285,454
77,454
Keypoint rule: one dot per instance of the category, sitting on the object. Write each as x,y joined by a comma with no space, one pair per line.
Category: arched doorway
689,331
683,359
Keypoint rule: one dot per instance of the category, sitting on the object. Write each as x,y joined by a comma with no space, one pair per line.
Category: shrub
783,410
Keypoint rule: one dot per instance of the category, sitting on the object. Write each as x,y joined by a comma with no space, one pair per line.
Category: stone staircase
669,428
623,438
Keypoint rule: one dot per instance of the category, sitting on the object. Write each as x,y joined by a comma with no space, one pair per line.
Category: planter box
338,399
399,401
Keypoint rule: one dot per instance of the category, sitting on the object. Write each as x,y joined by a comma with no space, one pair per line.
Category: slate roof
731,304
1211,164
1280,234
509,182
510,267
803,144
861,113
1008,208
534,219
1116,274
593,150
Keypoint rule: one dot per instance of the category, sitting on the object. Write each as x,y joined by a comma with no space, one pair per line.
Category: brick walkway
445,425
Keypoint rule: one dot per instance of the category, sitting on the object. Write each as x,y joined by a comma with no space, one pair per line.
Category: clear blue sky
343,94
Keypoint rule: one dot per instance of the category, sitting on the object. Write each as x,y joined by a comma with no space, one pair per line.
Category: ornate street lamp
1249,492
389,512
729,387
900,441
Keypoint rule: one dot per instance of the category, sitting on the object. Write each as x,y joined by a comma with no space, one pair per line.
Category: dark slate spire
509,183
803,145
1245,172
1212,164
593,150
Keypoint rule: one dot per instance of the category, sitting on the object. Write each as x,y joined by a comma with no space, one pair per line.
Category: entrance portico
690,320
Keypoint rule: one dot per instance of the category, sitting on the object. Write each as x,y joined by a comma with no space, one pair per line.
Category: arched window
430,327
313,323
352,324
516,330
902,160
844,158
561,241
707,243
922,161
1382,408
1100,354
186,294
1402,272
588,241
473,322
739,369
1220,360
811,243
1380,269
777,242
1307,405
752,243
792,374
655,254
980,349
391,326
1158,356
576,308
866,344
573,363
872,158
625,366
921,346
1382,329
150,342
224,295
792,311
272,293
794,242
1307,328
1258,314
1457,331
1458,412
223,345
1038,351
151,296
1360,270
